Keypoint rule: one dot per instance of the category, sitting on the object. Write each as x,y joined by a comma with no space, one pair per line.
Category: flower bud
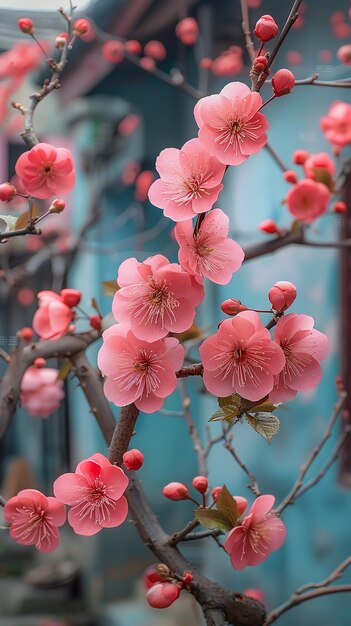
57,206
241,503
290,176
200,483
26,25
260,63
216,491
156,50
266,28
7,192
188,577
133,459
270,227
232,306
283,82
152,575
339,207
147,63
61,40
176,491
113,51
206,63
71,297
26,333
282,295
187,31
133,46
344,54
300,157
95,322
80,27
162,595
39,362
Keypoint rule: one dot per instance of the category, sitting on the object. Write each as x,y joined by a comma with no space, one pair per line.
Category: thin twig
2,500
253,484
246,29
193,432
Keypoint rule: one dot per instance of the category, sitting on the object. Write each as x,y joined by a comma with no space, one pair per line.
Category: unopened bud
71,297
7,192
300,157
26,333
260,63
39,362
187,31
270,227
80,27
200,483
176,491
290,176
61,40
232,306
241,503
133,459
283,82
266,28
282,295
95,322
339,207
188,577
57,206
216,492
26,25
162,595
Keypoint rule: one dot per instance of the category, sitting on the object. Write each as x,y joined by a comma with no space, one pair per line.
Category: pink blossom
95,494
46,171
344,54
241,357
41,391
190,181
231,128
156,297
34,519
337,123
138,371
304,348
322,161
307,200
228,63
53,317
210,252
260,533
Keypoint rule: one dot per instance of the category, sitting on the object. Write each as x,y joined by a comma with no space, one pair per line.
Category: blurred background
116,117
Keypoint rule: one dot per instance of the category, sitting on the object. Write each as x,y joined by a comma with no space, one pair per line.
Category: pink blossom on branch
190,183
242,358
46,171
336,124
210,252
304,348
307,200
53,317
230,126
260,533
156,297
138,371
320,161
34,519
41,391
95,494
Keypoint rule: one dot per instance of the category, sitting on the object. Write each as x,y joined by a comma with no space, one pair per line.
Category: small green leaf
65,370
233,400
265,424
212,519
227,507
264,407
110,287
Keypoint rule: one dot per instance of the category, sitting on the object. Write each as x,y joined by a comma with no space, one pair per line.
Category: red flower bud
290,176
232,306
283,82
241,503
113,51
176,491
300,157
339,207
61,40
216,491
188,577
133,46
39,362
162,595
57,206
266,28
260,63
26,25
80,27
206,63
187,31
147,63
270,227
151,576
25,333
133,459
7,192
71,297
95,322
200,483
282,295
156,50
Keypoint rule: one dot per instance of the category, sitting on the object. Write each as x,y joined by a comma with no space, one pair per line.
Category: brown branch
246,29
313,80
123,433
192,370
290,497
253,484
193,432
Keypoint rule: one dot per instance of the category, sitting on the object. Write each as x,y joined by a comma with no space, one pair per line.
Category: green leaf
22,220
233,400
264,407
230,409
227,507
212,519
110,287
65,370
322,175
265,424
